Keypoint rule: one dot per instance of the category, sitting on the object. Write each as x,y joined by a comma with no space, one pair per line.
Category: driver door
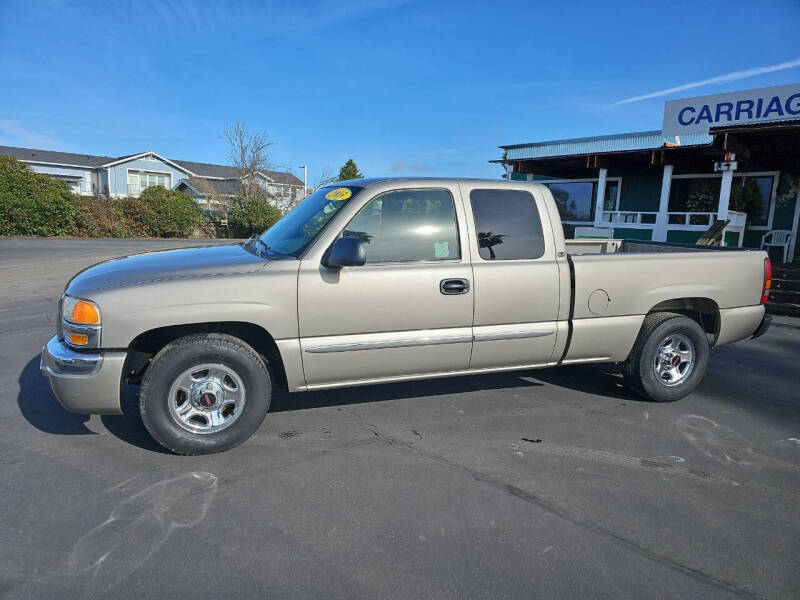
408,310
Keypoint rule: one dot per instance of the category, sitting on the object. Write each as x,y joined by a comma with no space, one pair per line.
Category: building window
751,194
141,180
507,224
408,225
576,200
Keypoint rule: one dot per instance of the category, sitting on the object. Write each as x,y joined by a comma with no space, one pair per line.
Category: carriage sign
764,105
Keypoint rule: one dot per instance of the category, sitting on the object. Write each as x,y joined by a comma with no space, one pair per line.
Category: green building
671,185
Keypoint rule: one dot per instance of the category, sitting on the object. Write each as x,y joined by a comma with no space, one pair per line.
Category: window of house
408,225
141,180
751,194
508,224
576,200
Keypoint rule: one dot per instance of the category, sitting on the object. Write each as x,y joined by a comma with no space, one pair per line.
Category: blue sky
429,88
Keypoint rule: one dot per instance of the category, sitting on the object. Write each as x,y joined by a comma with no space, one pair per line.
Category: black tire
185,353
639,369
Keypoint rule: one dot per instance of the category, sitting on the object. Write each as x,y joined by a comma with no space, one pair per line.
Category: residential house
127,176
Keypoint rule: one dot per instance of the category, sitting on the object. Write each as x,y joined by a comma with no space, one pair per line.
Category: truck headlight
80,322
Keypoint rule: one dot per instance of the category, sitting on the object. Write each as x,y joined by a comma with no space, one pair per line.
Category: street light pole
305,179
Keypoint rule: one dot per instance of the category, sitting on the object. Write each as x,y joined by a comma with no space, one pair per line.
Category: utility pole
305,180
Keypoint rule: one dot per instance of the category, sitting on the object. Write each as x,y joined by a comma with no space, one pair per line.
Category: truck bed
616,282
615,246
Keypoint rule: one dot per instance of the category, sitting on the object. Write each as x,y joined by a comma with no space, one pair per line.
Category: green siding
731,239
684,237
629,233
752,238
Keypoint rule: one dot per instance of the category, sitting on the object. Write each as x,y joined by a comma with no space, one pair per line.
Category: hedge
37,204
32,203
254,215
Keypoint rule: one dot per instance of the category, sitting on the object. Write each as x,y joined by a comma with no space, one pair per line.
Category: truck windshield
295,231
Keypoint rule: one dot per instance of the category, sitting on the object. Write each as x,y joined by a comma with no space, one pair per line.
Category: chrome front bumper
83,382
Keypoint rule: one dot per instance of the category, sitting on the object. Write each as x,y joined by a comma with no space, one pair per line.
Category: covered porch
672,188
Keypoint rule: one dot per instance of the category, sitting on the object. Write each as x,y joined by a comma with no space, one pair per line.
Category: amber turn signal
78,339
86,313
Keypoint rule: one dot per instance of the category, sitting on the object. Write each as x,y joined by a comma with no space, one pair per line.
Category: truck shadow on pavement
40,408
602,380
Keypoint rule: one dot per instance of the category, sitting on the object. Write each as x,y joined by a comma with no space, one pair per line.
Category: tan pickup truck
379,280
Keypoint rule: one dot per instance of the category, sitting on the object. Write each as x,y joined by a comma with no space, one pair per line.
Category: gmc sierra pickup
377,280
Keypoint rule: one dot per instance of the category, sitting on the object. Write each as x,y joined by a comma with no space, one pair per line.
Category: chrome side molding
510,335
428,341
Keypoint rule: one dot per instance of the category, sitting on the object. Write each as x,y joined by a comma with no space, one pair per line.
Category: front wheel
668,359
204,393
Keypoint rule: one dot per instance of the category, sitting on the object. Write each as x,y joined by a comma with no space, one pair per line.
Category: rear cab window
507,224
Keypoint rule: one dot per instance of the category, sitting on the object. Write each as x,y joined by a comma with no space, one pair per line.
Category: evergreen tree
349,171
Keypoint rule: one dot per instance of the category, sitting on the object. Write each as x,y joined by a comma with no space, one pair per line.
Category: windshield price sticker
338,194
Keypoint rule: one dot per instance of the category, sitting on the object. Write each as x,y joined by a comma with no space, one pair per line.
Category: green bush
249,216
33,203
165,213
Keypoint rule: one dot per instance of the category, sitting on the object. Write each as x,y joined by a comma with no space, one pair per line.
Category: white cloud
727,78
13,134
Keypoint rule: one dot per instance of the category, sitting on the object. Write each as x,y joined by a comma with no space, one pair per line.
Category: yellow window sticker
338,194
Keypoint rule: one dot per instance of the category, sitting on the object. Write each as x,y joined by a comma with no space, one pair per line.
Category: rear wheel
668,359
204,393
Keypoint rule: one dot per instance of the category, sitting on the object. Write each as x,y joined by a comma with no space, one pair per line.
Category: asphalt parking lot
542,484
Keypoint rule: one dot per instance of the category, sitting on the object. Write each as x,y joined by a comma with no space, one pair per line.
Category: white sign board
765,105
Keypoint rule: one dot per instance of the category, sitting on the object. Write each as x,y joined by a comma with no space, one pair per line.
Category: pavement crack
589,526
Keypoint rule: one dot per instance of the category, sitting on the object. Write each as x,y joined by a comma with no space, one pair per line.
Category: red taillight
767,280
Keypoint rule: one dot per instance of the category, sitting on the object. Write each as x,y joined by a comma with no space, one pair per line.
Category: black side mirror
346,252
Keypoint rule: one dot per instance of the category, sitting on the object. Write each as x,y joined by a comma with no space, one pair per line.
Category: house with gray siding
127,176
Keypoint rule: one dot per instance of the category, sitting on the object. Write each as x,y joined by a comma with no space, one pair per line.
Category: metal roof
602,144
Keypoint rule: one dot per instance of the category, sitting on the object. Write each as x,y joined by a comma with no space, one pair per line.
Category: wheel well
703,310
146,345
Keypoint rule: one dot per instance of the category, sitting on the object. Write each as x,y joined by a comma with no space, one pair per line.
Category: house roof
93,161
61,158
621,142
223,187
228,172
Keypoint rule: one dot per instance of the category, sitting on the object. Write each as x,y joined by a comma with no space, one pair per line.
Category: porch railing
689,220
629,217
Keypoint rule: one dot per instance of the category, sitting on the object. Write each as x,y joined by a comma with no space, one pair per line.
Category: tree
349,171
488,239
249,155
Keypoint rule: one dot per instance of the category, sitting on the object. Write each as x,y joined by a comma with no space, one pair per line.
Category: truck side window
508,224
408,225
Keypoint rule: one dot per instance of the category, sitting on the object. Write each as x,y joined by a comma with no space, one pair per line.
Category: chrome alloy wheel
206,398
674,360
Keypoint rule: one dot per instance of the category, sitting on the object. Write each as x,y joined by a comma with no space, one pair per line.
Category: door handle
451,287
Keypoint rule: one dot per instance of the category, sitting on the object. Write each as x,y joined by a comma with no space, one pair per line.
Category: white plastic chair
778,237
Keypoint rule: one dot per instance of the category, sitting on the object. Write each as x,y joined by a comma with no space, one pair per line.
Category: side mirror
346,252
